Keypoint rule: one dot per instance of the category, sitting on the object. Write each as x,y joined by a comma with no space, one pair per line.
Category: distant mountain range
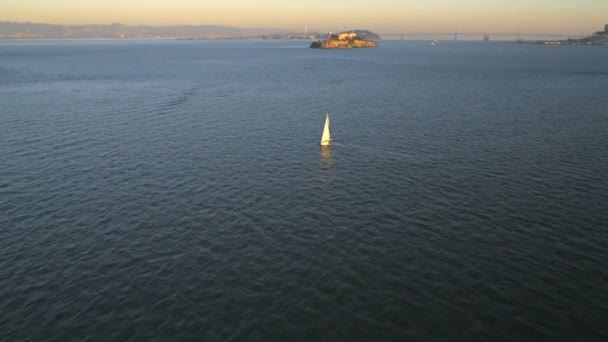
13,30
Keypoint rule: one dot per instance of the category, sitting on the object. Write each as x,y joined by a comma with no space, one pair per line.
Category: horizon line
397,32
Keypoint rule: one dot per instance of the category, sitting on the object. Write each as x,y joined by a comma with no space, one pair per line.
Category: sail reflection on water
327,171
326,156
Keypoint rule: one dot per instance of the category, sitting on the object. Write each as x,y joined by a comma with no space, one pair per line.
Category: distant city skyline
474,16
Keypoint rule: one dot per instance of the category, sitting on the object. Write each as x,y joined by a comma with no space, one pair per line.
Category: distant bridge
475,35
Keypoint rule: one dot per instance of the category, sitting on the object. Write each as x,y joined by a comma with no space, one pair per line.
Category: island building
347,36
606,28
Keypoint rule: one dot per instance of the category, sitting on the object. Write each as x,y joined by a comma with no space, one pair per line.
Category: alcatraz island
347,40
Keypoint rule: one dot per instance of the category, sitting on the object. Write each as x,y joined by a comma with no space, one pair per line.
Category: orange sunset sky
500,16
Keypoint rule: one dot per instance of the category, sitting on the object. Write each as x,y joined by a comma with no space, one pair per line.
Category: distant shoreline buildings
599,38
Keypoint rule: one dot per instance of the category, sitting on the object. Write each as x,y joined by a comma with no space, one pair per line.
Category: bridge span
473,36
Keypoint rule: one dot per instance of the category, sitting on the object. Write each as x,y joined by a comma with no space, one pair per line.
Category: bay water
176,190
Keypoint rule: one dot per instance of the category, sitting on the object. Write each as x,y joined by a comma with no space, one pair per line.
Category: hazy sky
533,16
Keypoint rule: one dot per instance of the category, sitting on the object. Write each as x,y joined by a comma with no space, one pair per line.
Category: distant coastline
599,38
36,31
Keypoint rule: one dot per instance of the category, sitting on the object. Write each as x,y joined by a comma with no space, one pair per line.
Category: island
347,40
598,38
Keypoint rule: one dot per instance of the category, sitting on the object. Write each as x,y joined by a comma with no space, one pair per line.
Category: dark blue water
176,190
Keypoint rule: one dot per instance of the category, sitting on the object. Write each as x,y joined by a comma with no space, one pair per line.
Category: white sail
326,138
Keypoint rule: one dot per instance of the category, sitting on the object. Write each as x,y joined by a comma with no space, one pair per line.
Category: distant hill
598,38
12,30
17,30
364,34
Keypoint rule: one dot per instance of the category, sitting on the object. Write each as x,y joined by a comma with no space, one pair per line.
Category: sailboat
326,138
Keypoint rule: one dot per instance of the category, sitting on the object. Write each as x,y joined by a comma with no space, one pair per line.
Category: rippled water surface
176,190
